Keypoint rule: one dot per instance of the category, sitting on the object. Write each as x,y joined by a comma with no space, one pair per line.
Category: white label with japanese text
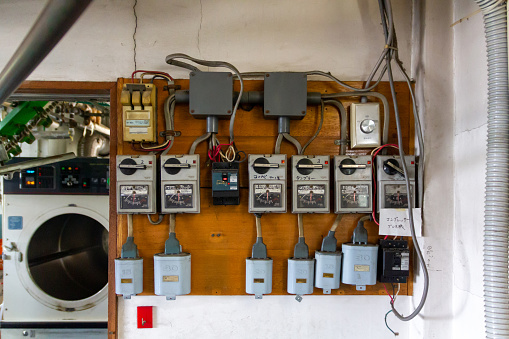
395,221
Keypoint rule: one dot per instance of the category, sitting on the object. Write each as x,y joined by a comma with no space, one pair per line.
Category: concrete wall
470,128
343,37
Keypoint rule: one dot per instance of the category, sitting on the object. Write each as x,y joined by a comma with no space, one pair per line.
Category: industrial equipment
353,184
139,110
365,125
310,184
267,183
392,190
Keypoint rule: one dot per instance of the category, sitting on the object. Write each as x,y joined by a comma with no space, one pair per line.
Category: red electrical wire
386,291
150,72
214,152
374,181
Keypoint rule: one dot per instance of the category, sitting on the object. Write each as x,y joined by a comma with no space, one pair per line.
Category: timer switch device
393,261
392,191
136,184
225,183
139,107
180,183
311,180
353,184
364,125
267,183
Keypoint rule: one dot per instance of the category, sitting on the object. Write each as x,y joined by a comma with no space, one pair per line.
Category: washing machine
55,238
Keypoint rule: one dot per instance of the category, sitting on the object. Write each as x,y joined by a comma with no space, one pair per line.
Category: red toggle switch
144,316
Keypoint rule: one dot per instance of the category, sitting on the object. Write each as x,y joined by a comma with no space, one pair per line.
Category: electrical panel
136,184
364,125
393,261
285,95
210,94
172,274
180,183
353,184
267,183
225,183
359,264
392,191
310,188
128,276
139,108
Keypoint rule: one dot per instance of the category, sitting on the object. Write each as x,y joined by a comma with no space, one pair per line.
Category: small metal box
180,183
258,277
210,94
353,184
391,190
128,276
136,184
285,95
267,183
364,125
172,274
310,187
300,277
359,265
328,270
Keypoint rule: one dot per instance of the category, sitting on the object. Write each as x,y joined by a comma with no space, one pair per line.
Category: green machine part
14,126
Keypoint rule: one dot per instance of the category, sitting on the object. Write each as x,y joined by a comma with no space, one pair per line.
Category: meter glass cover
354,196
267,195
178,196
396,196
311,196
134,197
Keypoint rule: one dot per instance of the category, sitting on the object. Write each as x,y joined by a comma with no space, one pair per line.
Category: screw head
267,111
229,111
192,111
303,112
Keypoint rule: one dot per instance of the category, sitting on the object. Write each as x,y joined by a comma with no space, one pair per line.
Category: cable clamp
341,142
169,133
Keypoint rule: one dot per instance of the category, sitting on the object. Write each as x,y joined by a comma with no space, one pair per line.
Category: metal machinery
55,236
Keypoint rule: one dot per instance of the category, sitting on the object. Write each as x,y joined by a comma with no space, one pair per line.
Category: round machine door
64,261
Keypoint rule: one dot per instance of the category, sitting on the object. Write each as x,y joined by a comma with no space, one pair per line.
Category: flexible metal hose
496,206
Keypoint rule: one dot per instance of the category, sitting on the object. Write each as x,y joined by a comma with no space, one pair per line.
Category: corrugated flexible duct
496,213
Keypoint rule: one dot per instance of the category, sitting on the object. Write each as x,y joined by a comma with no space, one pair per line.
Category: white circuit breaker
267,183
172,274
364,125
311,184
180,183
353,184
136,184
392,191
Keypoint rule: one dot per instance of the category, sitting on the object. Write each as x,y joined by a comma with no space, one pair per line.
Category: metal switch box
267,183
353,184
210,94
328,269
359,265
310,187
365,125
258,277
172,274
128,276
391,190
300,277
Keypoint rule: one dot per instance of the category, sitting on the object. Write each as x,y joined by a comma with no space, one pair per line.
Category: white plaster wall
343,37
470,128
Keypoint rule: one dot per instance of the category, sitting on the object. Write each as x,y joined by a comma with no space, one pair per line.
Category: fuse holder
172,274
258,277
128,276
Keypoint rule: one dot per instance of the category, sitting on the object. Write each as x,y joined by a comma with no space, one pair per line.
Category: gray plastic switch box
128,276
136,184
258,277
267,183
172,274
328,270
359,265
310,184
391,190
365,125
285,95
300,277
180,183
353,184
210,94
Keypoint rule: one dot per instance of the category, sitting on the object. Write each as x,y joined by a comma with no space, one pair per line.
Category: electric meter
136,176
267,183
180,183
353,191
392,190
310,174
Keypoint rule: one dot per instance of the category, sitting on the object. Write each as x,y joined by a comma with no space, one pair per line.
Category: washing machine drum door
67,257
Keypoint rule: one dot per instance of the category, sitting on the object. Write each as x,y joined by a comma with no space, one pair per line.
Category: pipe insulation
496,205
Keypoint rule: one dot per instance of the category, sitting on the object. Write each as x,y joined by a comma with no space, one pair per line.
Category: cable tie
391,47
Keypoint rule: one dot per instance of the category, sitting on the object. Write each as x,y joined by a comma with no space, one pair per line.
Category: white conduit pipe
496,208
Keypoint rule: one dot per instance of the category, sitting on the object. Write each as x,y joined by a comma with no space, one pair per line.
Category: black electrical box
225,183
393,261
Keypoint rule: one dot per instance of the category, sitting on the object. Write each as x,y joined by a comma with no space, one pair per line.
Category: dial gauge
134,197
354,196
311,196
178,196
396,196
267,195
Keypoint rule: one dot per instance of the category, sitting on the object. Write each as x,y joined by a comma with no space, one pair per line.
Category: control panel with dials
353,184
364,125
311,184
391,190
79,176
180,183
267,183
136,184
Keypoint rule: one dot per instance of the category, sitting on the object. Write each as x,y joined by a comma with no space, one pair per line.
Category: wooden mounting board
220,237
